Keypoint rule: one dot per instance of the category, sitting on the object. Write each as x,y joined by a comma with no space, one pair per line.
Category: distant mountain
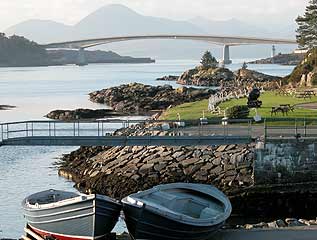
41,30
116,20
111,20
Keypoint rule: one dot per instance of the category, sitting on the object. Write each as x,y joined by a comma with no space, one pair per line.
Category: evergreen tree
307,26
208,61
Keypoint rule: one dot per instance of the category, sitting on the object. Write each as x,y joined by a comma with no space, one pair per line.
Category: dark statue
253,101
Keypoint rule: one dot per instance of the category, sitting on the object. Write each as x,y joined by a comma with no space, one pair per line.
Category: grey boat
181,211
70,216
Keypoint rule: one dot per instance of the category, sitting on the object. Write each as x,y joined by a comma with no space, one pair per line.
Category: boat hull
144,224
88,219
177,211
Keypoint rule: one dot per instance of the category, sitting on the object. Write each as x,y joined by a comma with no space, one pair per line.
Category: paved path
299,233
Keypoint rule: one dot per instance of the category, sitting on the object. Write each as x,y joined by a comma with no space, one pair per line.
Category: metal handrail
214,127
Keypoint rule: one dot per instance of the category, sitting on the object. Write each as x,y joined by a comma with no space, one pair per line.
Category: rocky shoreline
140,98
65,57
283,59
200,76
221,77
84,114
286,223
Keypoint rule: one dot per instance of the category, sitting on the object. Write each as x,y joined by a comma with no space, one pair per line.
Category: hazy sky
71,11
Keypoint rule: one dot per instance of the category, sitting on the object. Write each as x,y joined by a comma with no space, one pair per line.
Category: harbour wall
286,161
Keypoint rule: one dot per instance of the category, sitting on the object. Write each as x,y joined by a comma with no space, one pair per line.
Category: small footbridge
123,133
153,132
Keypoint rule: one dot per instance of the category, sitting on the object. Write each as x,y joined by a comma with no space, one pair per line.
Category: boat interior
50,196
187,202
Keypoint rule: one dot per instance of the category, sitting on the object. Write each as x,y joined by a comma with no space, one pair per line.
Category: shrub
238,112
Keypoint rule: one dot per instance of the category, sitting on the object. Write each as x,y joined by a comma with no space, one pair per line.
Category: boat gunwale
67,202
59,213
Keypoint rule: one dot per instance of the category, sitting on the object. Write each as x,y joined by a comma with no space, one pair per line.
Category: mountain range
117,20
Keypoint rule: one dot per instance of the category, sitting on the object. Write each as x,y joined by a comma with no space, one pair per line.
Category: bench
305,94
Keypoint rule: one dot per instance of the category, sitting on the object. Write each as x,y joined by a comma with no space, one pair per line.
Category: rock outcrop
305,74
69,115
168,78
140,98
200,76
254,76
288,222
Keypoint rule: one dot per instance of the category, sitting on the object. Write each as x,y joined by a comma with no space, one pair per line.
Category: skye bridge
225,41
153,132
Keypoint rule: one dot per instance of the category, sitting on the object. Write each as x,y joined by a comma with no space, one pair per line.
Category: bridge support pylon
81,61
226,56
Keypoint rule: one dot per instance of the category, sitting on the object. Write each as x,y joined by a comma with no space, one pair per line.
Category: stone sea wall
120,171
286,162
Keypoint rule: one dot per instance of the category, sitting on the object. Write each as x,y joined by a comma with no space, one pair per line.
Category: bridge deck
127,141
155,133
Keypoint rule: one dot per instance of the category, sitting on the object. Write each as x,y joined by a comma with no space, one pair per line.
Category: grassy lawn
194,110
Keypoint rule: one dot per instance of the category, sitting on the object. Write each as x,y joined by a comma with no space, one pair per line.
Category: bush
238,112
314,80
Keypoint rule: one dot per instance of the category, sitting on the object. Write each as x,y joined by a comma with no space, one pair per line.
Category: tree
307,26
208,61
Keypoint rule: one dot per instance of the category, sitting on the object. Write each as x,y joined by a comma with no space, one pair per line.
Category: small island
83,114
6,107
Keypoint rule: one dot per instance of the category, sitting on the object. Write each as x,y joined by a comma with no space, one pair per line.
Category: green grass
189,111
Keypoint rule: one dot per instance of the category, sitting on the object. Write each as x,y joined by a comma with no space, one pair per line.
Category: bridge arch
225,41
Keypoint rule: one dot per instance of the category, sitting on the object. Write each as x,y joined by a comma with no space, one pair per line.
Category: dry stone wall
286,162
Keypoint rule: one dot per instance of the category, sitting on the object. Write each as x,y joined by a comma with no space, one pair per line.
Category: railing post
98,129
74,128
32,126
296,130
27,129
2,132
54,129
250,128
265,130
49,129
7,131
305,128
78,129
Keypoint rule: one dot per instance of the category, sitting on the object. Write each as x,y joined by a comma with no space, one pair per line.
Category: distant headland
17,51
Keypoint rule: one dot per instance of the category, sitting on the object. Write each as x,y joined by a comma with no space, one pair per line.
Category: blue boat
178,211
